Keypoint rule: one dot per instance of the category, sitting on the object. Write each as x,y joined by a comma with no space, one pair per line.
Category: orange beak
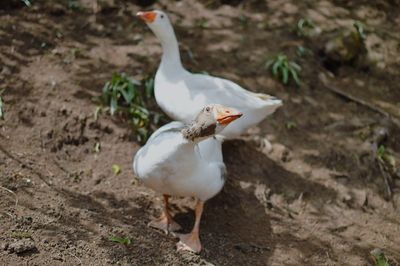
147,17
226,115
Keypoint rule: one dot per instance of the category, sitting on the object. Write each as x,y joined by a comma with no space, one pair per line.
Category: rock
21,246
345,47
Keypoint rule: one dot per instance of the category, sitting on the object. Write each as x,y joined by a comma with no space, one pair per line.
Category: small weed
97,112
27,2
291,125
360,28
21,235
304,27
283,68
58,34
73,53
74,5
120,240
116,169
302,51
384,156
1,105
244,21
381,151
379,257
130,98
202,23
97,147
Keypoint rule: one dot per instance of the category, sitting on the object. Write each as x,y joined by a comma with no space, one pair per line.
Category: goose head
158,22
211,120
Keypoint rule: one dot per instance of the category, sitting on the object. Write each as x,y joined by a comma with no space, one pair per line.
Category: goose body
181,94
186,160
173,165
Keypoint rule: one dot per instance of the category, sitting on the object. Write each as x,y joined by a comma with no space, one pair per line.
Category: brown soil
318,198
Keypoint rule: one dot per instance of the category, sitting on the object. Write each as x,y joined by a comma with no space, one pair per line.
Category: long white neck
171,59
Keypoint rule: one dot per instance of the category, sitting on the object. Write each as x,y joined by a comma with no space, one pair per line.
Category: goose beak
226,115
147,17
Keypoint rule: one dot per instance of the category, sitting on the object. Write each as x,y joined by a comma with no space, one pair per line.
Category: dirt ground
317,197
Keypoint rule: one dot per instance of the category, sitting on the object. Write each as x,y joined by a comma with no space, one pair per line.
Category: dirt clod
21,246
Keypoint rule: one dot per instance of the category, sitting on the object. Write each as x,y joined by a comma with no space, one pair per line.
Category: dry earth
316,198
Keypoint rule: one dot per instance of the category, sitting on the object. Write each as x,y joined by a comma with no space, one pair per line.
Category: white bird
184,160
182,94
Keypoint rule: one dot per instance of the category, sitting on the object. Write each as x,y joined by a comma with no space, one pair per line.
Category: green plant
384,156
302,51
360,28
20,235
304,26
381,151
202,23
97,147
379,257
120,240
1,105
26,2
116,169
283,68
74,5
131,98
97,112
291,125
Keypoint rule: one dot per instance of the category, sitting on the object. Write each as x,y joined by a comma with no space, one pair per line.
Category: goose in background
182,94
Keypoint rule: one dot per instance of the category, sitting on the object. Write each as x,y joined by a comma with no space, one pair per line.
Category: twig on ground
12,192
370,106
38,174
79,260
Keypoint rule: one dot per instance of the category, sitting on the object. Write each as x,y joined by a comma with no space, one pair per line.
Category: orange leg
165,222
191,241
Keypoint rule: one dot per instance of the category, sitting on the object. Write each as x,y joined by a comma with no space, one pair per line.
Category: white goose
181,94
175,163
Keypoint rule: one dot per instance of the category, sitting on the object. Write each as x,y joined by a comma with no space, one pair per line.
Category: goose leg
191,241
165,222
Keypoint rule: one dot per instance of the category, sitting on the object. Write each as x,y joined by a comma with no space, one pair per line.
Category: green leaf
116,169
27,2
269,63
295,66
291,125
97,147
97,112
285,75
360,29
113,105
381,151
128,95
149,88
275,68
120,240
379,257
295,76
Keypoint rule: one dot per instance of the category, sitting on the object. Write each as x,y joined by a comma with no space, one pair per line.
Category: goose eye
162,16
207,109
